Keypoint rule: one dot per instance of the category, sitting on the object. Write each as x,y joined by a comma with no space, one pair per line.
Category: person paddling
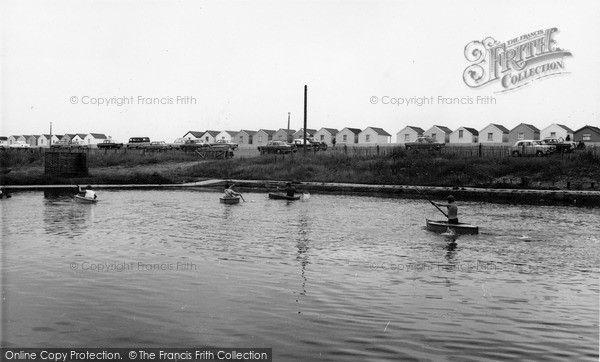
229,192
289,190
452,209
88,192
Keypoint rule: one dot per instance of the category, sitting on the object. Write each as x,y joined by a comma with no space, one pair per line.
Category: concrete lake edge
587,198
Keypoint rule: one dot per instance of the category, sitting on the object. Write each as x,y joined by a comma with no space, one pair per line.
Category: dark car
424,143
561,145
322,145
109,144
277,147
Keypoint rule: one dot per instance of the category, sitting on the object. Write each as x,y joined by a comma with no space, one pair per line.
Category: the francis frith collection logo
516,62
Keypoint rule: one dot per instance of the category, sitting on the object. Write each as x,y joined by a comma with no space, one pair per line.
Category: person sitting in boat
87,192
452,210
289,190
229,192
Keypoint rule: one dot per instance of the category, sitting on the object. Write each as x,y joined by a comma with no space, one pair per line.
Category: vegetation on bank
401,168
396,168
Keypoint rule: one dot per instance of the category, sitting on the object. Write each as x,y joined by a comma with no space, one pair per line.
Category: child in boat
289,190
87,192
452,210
229,192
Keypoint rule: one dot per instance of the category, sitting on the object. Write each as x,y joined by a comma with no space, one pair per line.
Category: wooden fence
66,164
476,150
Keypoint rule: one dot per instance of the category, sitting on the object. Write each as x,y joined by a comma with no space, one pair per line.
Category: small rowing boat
85,200
229,200
459,229
282,196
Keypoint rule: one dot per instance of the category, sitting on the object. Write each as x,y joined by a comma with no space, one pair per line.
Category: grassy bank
410,169
395,168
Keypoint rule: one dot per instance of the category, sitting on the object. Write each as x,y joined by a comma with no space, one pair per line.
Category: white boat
460,228
85,200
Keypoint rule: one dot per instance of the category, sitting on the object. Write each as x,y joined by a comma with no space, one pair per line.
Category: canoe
282,196
459,229
229,200
85,200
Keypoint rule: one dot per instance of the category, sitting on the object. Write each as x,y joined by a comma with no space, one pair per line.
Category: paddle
433,203
238,193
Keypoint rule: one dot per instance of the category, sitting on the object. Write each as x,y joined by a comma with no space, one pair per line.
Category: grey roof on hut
380,131
473,131
354,130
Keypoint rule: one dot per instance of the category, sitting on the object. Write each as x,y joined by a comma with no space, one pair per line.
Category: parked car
531,148
109,144
61,144
224,143
322,145
177,143
138,142
69,144
424,143
19,144
561,145
157,146
194,145
310,145
277,147
79,144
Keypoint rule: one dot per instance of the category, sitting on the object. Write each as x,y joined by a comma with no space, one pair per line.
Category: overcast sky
245,63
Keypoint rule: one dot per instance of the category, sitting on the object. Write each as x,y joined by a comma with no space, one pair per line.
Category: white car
19,144
531,148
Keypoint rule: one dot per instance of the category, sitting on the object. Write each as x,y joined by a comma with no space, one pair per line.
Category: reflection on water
63,216
330,278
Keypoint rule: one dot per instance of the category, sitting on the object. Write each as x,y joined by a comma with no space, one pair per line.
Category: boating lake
329,278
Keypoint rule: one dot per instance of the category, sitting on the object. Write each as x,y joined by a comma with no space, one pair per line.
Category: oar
238,193
433,203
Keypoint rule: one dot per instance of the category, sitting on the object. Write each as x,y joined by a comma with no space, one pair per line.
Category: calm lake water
330,278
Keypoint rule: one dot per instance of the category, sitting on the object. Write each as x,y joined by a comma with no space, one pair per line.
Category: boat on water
459,229
229,200
283,196
85,200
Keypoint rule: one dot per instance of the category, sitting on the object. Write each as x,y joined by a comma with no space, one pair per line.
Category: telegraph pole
50,143
288,129
305,100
